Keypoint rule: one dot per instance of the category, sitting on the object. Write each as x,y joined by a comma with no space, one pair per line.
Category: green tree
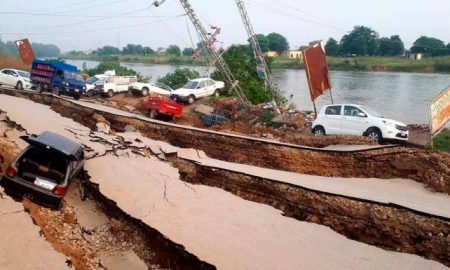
188,51
148,51
429,45
132,49
332,47
179,77
277,42
361,41
173,50
243,65
392,46
120,70
263,42
107,50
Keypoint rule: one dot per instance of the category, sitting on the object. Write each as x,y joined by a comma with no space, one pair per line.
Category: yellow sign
440,111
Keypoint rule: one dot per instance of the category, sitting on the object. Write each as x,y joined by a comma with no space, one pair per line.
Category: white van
116,84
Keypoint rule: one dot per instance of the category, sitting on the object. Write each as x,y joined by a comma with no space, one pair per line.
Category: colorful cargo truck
58,78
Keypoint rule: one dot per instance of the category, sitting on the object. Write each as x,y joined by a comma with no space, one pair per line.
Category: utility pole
261,65
208,41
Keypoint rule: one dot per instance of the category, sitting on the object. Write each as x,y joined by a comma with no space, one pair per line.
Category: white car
17,78
95,80
351,119
150,88
198,88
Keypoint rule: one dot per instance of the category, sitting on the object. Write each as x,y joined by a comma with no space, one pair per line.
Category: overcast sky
83,25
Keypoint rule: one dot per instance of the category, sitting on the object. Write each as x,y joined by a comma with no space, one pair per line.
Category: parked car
115,84
161,105
43,171
351,119
198,88
149,88
13,77
98,79
59,78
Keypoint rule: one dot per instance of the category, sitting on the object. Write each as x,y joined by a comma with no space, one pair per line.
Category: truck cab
58,78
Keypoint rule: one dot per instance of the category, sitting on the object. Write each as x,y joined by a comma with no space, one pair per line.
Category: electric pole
261,65
208,42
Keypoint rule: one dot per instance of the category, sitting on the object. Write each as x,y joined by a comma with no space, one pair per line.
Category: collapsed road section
432,169
219,227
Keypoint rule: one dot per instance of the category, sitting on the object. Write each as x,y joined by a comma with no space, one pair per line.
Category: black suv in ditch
43,171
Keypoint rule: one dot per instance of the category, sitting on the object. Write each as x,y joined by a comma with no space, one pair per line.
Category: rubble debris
214,119
204,109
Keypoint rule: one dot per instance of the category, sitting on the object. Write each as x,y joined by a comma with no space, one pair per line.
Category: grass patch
442,141
13,62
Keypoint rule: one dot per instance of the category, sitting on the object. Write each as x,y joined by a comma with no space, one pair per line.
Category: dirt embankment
389,227
432,169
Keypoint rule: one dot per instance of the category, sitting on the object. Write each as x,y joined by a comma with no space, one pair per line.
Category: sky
84,25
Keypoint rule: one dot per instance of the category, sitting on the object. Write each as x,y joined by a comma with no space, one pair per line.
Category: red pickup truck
159,105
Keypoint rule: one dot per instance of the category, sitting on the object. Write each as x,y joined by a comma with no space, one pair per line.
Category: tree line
364,41
40,50
137,49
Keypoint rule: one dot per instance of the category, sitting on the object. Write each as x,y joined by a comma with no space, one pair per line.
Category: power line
305,12
90,30
93,20
89,7
65,5
294,16
70,15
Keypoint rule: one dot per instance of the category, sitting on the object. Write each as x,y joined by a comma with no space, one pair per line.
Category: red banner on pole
26,51
316,67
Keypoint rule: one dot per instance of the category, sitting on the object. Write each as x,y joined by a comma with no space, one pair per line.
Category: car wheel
76,97
39,88
145,91
191,99
90,93
153,113
374,135
56,91
110,93
217,93
19,86
319,131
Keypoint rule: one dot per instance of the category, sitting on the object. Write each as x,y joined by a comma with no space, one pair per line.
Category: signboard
440,111
316,67
26,51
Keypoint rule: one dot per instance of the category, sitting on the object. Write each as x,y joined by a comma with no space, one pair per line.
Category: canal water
401,96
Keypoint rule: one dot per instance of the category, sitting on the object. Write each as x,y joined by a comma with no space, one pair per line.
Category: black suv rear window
333,110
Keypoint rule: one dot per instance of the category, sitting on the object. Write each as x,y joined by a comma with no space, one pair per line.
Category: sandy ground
21,246
215,225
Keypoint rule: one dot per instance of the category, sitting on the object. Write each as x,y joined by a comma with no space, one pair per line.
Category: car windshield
92,80
190,85
69,75
79,77
371,111
24,74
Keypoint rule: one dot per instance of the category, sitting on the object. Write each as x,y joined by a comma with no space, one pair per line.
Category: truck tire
153,113
56,91
76,97
39,88
110,93
145,91
19,86
191,99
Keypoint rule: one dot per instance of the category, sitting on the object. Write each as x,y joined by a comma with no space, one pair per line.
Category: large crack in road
370,226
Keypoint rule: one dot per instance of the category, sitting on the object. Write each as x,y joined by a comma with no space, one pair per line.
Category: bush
179,77
120,70
243,66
